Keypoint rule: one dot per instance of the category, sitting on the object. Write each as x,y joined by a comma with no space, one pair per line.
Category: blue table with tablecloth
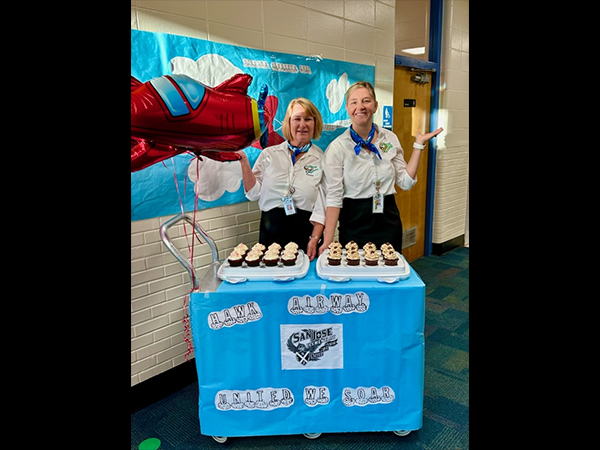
309,356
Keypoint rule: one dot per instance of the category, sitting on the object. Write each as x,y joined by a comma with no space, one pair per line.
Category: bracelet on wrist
419,146
313,237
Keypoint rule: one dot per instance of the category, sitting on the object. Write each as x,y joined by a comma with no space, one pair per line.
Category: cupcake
335,246
288,258
371,258
369,246
291,246
390,259
253,258
350,246
334,257
235,259
387,247
271,258
353,258
385,253
275,247
259,246
241,248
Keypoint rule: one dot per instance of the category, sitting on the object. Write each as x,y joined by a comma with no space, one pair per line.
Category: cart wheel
220,439
402,432
312,435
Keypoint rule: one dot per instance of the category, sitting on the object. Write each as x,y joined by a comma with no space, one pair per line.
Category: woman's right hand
324,245
243,156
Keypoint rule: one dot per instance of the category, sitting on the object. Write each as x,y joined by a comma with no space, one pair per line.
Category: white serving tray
265,273
380,272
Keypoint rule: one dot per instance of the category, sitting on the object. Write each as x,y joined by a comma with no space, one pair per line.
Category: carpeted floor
172,422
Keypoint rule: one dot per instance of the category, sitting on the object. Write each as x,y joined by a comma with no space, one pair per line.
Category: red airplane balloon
173,114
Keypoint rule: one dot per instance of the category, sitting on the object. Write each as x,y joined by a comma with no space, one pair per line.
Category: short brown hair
310,109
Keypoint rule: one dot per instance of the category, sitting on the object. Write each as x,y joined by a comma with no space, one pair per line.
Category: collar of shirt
355,177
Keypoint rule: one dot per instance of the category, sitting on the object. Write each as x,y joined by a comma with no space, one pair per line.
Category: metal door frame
433,65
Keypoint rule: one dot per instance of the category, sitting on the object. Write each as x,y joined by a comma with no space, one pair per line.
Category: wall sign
388,117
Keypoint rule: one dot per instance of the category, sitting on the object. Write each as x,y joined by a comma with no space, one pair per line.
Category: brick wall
160,283
452,164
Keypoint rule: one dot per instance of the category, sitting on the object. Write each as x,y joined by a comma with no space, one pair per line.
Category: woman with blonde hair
288,182
362,167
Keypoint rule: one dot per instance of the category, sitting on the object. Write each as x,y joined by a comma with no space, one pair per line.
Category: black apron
359,224
275,226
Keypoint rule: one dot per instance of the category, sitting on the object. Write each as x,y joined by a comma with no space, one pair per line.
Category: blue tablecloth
309,356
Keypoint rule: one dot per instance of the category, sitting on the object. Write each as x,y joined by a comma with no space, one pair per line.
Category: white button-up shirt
275,174
354,176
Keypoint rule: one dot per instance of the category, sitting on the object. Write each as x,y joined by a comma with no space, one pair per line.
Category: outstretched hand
422,138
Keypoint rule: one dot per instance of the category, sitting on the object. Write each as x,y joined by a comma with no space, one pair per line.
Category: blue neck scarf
298,150
360,141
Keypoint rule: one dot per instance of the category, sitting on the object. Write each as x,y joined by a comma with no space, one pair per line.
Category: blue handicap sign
387,117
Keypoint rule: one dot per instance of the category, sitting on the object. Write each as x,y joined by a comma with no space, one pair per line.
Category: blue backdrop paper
163,188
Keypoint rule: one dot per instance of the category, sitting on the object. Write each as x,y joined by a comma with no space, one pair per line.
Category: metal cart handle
167,241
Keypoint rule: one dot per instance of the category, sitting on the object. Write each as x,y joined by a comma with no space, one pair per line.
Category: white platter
380,272
265,273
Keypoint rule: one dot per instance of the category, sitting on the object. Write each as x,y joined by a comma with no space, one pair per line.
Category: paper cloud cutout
216,177
211,69
336,90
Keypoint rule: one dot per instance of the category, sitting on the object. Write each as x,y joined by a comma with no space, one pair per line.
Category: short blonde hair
360,84
310,109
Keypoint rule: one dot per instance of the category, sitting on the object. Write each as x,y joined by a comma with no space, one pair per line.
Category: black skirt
275,226
358,223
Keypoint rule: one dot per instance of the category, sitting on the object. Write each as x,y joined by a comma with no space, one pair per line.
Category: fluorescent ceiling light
414,50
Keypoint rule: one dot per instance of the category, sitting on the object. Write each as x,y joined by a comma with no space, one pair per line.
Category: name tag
288,206
378,203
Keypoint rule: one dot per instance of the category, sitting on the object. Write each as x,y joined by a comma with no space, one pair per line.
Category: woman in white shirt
361,167
288,182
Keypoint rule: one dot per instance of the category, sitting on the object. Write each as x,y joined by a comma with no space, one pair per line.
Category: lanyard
291,178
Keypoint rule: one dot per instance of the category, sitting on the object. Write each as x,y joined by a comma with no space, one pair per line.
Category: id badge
378,203
288,206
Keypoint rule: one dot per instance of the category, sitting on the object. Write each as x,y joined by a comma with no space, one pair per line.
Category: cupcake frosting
387,246
351,246
353,255
271,254
288,254
335,252
253,256
369,246
291,246
371,255
235,255
389,253
335,246
274,246
241,247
